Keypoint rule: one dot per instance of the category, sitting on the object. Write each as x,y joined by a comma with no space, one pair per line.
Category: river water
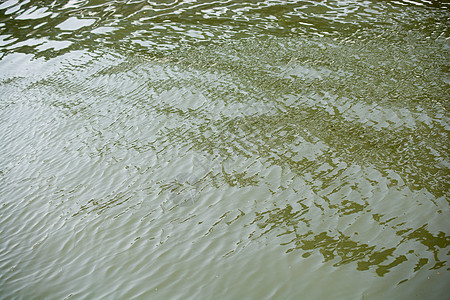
224,149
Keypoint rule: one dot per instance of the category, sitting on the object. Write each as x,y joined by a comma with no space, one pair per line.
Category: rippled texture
224,150
50,28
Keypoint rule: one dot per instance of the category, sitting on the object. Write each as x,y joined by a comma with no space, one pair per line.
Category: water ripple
226,171
49,30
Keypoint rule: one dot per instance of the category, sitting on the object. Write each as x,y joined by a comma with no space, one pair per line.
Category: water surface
224,149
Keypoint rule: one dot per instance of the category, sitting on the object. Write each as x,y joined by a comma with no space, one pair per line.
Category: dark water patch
50,29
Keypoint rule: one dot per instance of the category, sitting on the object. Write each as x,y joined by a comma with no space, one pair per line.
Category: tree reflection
343,249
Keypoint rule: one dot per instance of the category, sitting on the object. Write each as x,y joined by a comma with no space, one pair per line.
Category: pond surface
224,149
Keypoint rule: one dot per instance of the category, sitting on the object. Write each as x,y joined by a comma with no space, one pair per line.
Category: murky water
224,149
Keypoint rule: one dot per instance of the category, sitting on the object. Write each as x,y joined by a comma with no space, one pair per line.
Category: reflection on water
49,28
226,149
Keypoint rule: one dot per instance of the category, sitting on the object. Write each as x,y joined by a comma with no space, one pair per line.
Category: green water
224,150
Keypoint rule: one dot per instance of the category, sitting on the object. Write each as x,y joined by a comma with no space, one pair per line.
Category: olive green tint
224,149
